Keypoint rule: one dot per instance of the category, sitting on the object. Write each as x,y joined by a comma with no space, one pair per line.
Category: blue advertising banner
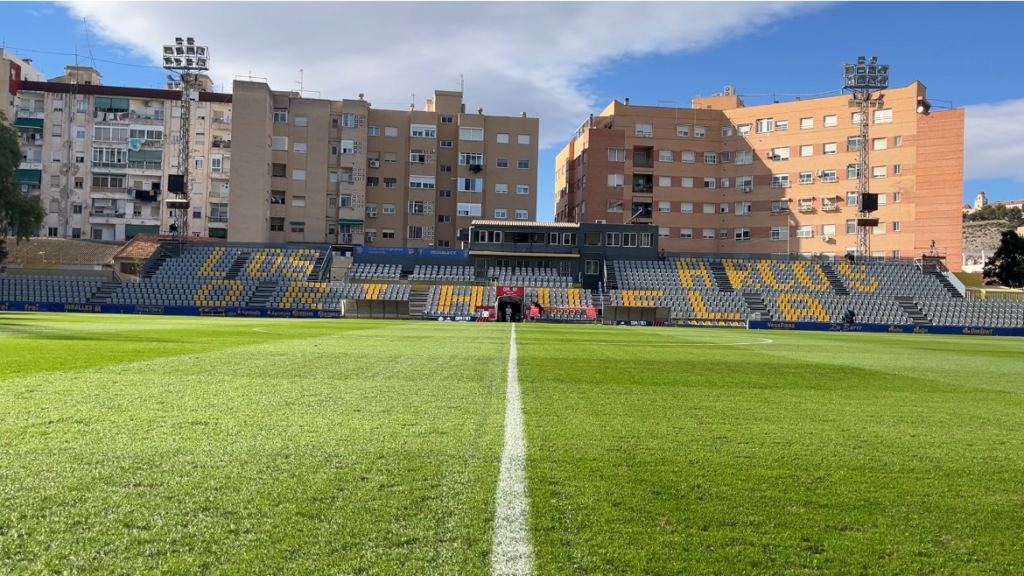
167,310
383,251
885,328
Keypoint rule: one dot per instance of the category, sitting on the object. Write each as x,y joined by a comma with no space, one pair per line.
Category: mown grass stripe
512,554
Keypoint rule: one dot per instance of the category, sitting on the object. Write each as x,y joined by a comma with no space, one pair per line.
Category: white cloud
992,144
516,57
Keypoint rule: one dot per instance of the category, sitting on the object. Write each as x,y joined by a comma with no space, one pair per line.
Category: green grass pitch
132,445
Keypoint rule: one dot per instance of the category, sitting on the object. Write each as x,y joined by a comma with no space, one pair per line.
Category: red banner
516,291
15,84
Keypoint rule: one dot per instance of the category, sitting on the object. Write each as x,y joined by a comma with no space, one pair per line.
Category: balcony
105,217
220,172
221,144
781,183
31,113
745,189
222,120
31,164
146,166
217,219
33,139
110,165
350,238
144,118
778,210
643,183
643,157
806,209
830,207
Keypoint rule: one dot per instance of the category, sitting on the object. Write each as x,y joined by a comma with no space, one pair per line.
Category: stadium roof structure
524,224
61,251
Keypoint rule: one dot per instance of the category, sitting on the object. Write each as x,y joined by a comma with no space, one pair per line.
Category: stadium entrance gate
509,307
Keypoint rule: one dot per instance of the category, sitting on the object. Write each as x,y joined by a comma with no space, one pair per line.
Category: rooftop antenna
462,83
88,43
299,81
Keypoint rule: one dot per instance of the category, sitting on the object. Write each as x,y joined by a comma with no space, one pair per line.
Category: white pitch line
512,554
260,330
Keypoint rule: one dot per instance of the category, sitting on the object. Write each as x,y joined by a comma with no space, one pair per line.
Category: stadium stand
946,312
385,272
50,289
529,277
437,274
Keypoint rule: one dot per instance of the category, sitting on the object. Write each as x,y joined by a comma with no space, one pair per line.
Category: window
883,116
55,180
686,232
780,154
723,233
444,193
299,147
348,147
782,206
780,181
471,185
629,240
742,208
708,234
280,115
502,138
830,120
897,196
387,234
644,130
616,154
423,131
743,129
79,183
200,163
851,199
371,210
897,141
854,144
881,199
55,156
422,182
444,218
500,213
80,133
829,148
683,130
852,171
501,188
447,119
279,143
522,215
298,227
896,226
806,150
764,125
51,232
897,169
855,118
373,131
879,171
700,131
804,231
445,168
471,158
723,208
612,239
388,209
710,158
828,230
686,182
421,207
390,132
778,233
664,156
725,157
664,181
829,203
616,180
664,206
301,120
829,176
709,183
468,209
879,143
523,164
723,183
806,177
522,190
781,125
390,157
335,123
298,174
709,208
523,139
372,181
686,207
663,232
688,157
744,157
299,201
592,267
468,133
109,133
742,234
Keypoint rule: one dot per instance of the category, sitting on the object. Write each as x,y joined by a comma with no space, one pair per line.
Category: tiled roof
61,251
141,246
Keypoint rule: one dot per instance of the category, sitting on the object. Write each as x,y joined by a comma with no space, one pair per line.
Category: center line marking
512,554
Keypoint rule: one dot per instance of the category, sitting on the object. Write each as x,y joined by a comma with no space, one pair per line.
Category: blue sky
574,59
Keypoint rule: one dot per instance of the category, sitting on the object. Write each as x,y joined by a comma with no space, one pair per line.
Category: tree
1007,264
1013,216
20,214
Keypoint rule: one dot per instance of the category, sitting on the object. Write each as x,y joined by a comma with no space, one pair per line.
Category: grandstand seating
946,312
385,272
328,296
889,279
436,274
50,289
683,273
544,277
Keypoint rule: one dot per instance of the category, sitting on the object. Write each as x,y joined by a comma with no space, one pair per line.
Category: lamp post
865,80
188,60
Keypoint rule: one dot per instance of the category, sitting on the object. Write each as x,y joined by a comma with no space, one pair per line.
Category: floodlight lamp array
866,74
185,56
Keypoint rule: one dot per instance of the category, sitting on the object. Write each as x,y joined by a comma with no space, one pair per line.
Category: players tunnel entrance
509,309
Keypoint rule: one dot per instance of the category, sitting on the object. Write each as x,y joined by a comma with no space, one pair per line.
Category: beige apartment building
99,156
721,177
345,173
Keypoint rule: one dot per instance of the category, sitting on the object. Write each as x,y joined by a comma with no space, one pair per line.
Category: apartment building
343,172
99,156
721,177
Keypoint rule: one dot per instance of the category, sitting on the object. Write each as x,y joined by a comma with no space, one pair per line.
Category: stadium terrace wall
884,328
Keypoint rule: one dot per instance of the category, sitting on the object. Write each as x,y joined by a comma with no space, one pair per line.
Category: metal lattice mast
865,80
188,60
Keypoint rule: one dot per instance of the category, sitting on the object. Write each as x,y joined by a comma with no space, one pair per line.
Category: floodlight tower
865,80
188,60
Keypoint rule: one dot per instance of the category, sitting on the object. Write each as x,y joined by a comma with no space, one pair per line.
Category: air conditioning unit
825,238
818,173
374,163
600,221
372,214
